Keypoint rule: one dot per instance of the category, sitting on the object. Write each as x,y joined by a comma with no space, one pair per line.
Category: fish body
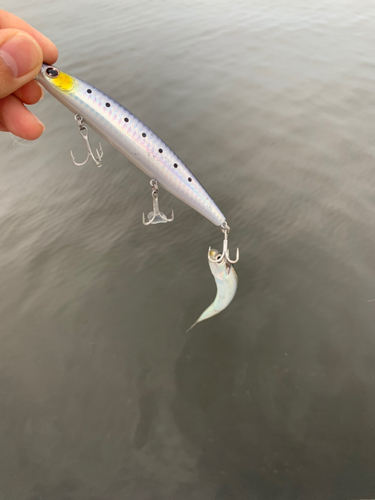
226,282
131,137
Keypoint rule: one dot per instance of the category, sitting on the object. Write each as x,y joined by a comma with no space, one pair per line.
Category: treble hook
85,135
224,256
156,217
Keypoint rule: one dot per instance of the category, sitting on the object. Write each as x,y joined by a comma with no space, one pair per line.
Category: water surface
103,395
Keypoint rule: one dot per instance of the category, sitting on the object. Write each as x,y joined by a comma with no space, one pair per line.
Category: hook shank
224,256
156,217
83,130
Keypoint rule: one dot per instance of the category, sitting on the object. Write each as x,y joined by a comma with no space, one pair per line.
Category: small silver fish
226,281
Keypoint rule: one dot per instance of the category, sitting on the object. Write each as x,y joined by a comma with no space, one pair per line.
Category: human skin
23,49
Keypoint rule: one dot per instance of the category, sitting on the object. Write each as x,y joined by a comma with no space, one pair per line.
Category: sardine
226,282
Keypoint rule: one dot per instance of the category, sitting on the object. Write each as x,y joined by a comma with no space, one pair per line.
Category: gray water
103,396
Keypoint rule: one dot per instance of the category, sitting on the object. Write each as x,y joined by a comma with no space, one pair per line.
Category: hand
22,52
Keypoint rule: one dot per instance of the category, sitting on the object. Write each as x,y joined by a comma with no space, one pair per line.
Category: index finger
8,20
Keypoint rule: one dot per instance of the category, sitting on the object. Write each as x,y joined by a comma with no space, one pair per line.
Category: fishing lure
226,282
139,144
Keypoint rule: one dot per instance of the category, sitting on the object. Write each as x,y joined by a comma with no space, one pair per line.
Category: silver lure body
226,282
132,138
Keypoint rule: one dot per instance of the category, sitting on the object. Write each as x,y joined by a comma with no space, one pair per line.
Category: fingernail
20,54
42,124
42,96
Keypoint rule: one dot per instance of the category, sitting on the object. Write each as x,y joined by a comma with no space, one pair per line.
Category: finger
3,129
31,93
18,120
20,60
8,20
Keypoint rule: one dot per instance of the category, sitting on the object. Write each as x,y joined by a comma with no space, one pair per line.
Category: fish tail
192,326
208,313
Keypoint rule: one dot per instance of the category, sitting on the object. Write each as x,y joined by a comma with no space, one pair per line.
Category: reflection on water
103,395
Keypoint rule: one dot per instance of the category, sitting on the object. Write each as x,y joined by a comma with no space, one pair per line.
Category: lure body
226,283
131,137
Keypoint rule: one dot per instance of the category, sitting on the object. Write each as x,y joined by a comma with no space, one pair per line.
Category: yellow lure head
58,79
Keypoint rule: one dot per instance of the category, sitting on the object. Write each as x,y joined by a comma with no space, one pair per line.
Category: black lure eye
52,72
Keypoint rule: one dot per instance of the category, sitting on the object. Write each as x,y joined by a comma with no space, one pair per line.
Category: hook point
83,130
224,256
156,217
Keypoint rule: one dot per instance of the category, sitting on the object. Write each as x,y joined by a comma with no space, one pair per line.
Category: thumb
20,60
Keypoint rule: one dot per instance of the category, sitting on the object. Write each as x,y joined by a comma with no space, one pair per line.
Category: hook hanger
83,130
156,217
224,256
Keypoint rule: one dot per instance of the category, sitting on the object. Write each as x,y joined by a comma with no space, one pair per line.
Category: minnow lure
139,144
226,282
